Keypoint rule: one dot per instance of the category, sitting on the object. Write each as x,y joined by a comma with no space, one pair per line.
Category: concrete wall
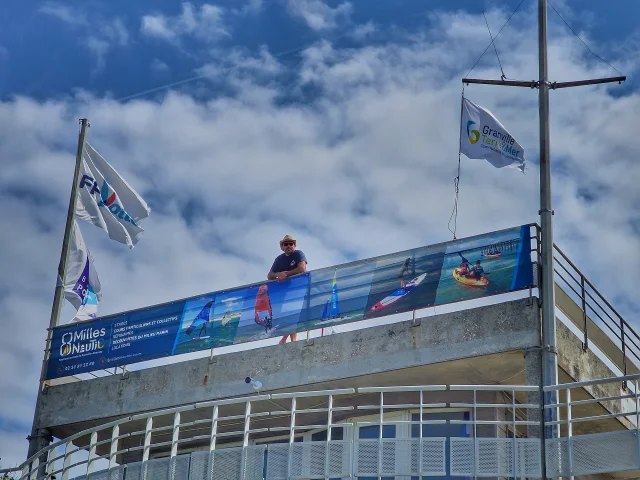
505,327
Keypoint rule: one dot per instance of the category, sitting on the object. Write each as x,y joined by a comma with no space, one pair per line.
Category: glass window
447,430
373,432
336,434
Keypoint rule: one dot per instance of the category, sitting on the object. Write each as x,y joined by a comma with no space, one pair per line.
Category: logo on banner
83,341
108,201
474,135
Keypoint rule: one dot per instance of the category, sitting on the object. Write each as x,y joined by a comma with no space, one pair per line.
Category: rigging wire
488,46
578,37
503,76
456,181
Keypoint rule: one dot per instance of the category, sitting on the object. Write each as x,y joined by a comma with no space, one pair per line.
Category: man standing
291,262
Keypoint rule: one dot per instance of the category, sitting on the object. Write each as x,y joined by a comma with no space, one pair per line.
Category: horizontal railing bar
333,425
316,393
159,413
405,406
194,439
495,405
321,410
418,388
71,465
496,422
497,388
603,399
231,401
589,419
404,422
563,386
560,264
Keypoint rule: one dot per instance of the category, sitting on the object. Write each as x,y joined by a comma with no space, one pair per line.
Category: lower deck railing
381,432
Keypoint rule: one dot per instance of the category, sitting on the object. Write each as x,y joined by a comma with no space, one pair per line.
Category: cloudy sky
334,121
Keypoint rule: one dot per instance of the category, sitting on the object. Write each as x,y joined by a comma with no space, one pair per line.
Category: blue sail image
202,320
331,309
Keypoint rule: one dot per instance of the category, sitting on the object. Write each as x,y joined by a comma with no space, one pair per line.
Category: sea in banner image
405,281
337,295
210,321
242,315
504,256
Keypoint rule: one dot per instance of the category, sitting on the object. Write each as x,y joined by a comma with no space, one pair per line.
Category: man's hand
280,276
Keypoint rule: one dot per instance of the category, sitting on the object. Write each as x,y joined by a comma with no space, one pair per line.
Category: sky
334,121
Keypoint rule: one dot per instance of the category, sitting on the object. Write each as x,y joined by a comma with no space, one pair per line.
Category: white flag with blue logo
81,285
108,201
482,136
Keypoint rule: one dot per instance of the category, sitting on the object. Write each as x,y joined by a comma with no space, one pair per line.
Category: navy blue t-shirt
286,263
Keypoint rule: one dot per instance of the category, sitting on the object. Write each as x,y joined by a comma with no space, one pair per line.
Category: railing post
329,421
292,431
92,451
475,434
245,439
515,433
176,434
569,434
212,442
585,342
115,433
66,464
380,435
147,439
420,435
637,421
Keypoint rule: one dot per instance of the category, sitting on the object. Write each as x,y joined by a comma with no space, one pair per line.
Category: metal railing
596,308
609,435
318,434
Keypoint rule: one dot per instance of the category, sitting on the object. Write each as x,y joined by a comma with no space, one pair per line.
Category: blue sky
333,121
50,48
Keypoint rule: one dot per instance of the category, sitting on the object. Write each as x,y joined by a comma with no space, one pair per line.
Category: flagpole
40,438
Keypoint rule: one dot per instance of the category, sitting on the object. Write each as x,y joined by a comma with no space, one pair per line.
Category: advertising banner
464,269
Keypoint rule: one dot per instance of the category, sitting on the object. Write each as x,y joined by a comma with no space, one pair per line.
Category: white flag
81,286
106,200
483,136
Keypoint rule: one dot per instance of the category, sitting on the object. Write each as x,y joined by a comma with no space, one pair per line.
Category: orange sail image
263,311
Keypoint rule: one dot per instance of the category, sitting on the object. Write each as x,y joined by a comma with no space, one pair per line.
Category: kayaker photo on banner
478,267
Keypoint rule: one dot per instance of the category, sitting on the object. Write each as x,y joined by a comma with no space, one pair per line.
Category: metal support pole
585,342
549,358
569,434
39,437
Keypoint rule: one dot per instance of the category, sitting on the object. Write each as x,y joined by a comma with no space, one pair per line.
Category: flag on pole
82,286
482,136
106,200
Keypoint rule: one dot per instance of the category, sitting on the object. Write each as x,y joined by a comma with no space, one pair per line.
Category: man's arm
301,268
271,275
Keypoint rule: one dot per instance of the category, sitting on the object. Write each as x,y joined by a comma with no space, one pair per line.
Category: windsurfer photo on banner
209,321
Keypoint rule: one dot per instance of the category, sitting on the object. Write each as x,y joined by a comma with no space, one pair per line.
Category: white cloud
318,15
252,7
159,67
72,16
363,31
100,34
364,168
205,23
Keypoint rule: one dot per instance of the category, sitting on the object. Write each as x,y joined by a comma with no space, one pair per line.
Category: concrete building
456,394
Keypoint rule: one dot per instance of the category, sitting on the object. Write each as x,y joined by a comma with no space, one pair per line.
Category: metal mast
546,289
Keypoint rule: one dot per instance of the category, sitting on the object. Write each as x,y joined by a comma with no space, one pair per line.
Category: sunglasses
288,244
